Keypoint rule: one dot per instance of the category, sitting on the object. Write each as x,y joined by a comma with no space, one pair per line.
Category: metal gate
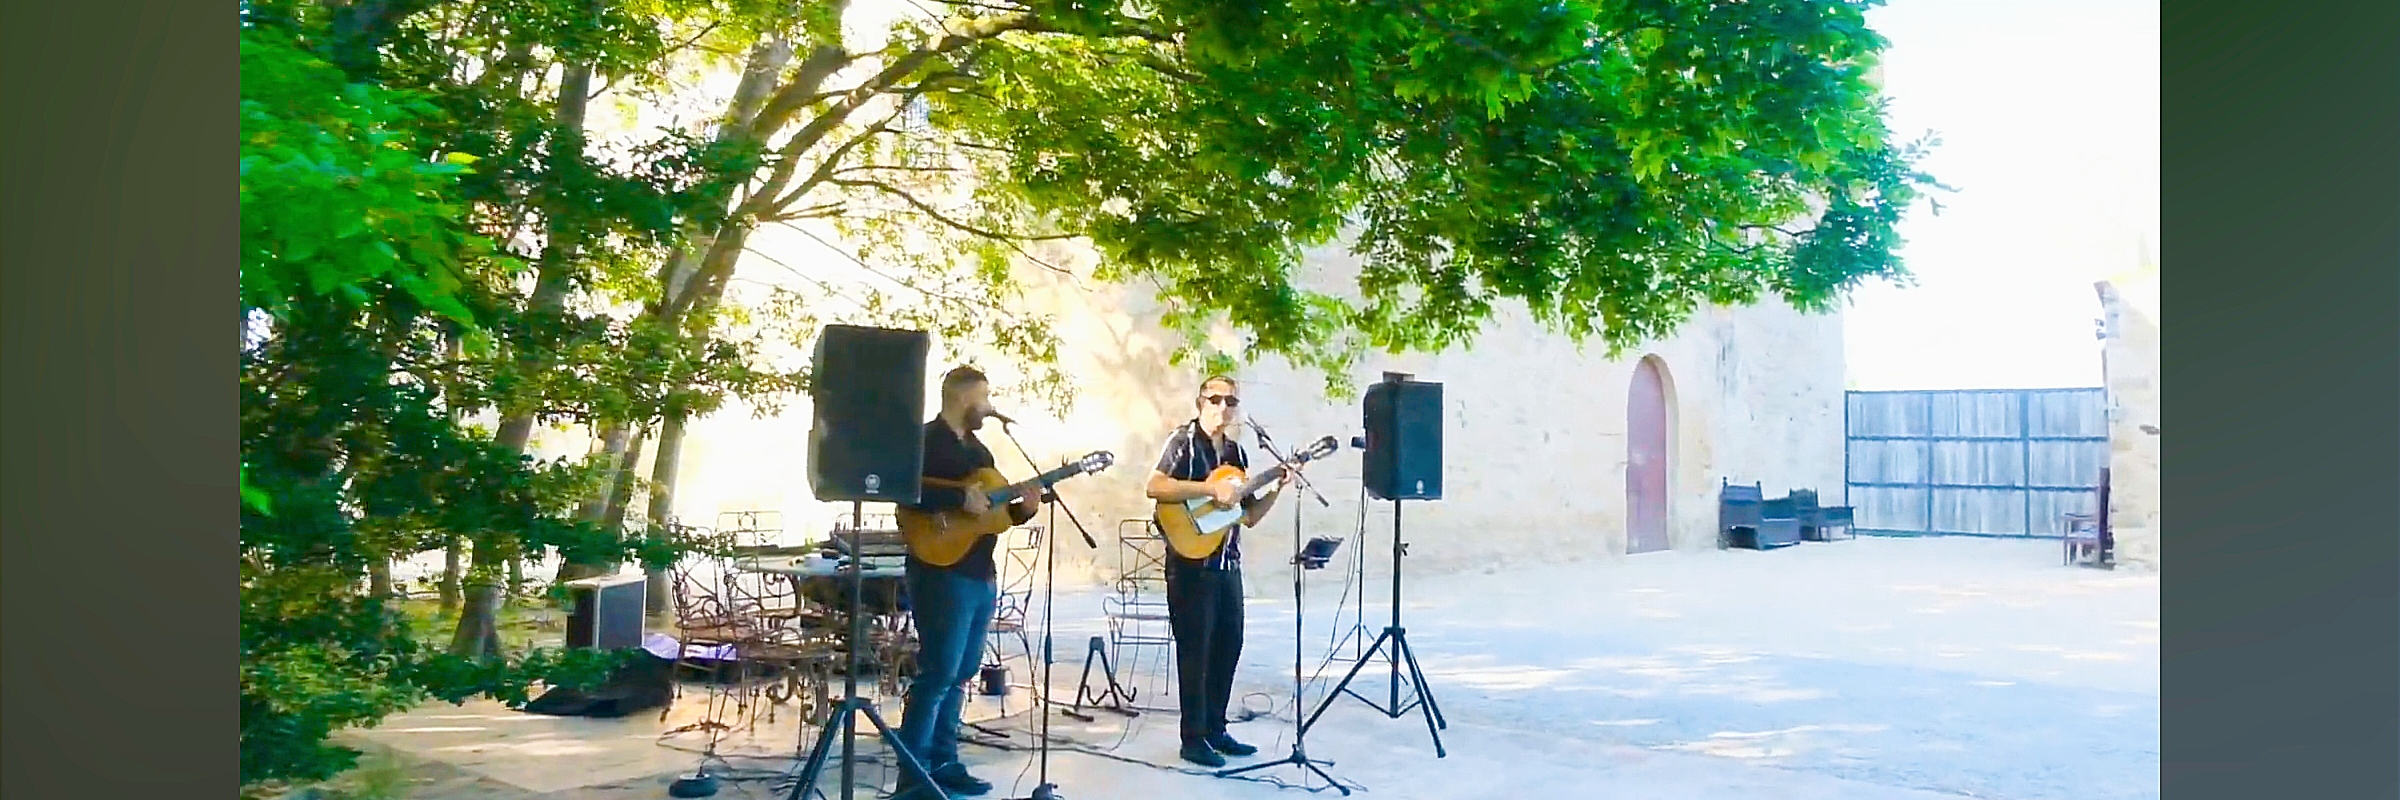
1975,462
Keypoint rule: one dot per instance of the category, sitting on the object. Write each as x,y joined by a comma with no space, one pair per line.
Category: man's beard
975,420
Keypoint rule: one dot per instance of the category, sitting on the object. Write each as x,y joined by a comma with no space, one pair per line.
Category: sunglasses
1226,400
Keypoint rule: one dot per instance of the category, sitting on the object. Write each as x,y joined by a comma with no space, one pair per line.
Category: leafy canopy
356,256
1611,166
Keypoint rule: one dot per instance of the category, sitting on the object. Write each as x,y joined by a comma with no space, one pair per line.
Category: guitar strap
1229,552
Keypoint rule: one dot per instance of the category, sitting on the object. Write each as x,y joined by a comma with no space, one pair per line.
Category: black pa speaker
868,441
605,613
1404,439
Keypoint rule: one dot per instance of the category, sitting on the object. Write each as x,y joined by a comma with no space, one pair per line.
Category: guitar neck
1043,481
1269,475
1261,480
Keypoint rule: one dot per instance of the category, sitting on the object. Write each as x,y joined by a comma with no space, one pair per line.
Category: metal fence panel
1975,462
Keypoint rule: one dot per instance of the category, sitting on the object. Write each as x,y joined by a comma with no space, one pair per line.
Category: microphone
995,414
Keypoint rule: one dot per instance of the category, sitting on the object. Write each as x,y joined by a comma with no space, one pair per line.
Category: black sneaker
954,779
1202,755
1225,743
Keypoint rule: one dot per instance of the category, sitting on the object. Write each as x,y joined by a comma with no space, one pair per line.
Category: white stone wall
2130,355
1535,444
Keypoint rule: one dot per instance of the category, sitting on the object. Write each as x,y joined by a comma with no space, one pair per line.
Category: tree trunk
662,502
560,240
453,348
478,633
379,580
448,588
616,441
699,249
481,613
621,495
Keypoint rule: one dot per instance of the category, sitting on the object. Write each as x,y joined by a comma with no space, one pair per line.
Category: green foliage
1610,166
333,198
357,258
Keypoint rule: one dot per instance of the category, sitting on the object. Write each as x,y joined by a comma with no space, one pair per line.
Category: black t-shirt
1189,456
950,458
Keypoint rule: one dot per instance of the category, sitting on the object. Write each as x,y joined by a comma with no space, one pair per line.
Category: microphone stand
1043,789
1299,756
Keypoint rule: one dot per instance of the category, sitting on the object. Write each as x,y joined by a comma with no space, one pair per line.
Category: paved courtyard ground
1862,670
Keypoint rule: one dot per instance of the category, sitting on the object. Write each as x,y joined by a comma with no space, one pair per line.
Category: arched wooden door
1646,460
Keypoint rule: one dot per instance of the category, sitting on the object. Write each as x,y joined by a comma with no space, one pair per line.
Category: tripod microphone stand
1306,555
845,714
1395,638
1043,789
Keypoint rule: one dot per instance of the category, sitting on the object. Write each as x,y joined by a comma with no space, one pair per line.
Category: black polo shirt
948,457
1189,456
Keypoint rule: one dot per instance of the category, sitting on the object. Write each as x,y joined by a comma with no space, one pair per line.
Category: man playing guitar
1204,595
952,605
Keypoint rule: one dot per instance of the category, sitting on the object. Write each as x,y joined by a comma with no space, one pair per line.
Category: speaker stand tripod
1299,756
1393,644
845,714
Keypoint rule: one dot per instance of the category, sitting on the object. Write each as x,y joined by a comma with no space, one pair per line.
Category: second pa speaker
867,443
1404,439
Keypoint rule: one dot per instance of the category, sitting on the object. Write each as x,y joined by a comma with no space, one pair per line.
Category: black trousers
1204,609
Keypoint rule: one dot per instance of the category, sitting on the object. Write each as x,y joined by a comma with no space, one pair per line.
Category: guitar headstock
1319,449
1096,461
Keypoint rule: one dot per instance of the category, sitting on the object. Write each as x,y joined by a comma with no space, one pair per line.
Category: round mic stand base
702,785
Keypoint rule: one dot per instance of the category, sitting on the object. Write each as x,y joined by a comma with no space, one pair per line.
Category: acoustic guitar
942,538
1195,528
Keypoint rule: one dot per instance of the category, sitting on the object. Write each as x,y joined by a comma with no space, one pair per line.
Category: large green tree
1610,166
355,260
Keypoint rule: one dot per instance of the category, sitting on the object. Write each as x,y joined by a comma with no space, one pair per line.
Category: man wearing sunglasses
1204,597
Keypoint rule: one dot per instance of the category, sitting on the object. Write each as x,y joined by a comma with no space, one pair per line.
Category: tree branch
1160,65
984,6
891,168
705,30
1117,28
819,211
938,216
825,167
852,100
820,65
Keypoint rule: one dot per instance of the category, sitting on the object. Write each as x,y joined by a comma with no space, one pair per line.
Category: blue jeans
952,614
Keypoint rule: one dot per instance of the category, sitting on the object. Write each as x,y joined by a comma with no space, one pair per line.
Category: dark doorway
1646,460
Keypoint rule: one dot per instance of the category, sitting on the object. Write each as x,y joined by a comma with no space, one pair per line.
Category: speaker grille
1404,440
866,442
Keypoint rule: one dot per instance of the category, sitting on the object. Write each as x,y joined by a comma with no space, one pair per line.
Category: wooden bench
1738,514
2081,541
1818,522
1778,525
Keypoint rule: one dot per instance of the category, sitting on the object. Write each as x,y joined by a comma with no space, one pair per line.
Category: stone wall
1535,444
2129,354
